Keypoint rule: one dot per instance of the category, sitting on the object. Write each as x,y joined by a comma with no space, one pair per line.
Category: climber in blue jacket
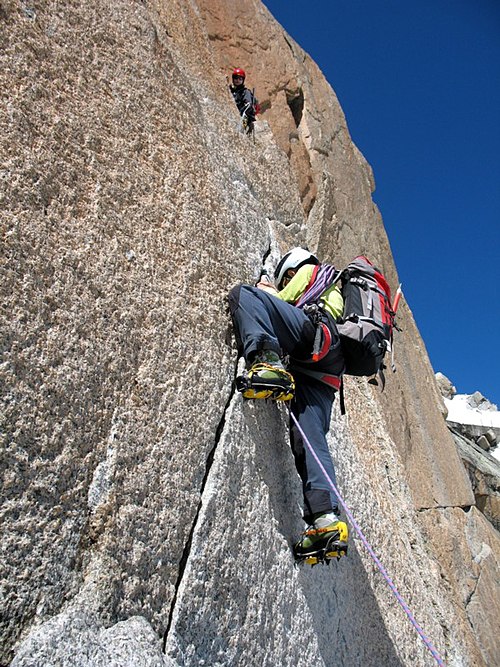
269,326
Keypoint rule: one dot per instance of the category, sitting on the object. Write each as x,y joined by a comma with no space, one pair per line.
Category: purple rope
325,278
377,562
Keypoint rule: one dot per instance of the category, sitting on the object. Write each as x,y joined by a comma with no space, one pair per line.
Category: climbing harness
370,550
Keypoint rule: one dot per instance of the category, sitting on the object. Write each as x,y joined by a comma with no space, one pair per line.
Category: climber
270,324
244,98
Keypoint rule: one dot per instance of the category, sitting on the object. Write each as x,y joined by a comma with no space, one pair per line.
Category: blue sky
419,83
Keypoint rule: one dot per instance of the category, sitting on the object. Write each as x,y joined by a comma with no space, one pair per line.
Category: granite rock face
77,639
142,501
484,474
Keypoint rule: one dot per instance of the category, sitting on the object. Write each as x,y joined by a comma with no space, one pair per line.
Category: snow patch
474,410
460,411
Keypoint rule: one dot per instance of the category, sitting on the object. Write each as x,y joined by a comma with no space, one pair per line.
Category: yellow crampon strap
263,366
340,527
318,531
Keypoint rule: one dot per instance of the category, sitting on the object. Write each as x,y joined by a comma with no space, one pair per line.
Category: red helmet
237,71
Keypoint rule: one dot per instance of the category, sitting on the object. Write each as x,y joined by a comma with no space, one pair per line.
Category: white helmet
293,259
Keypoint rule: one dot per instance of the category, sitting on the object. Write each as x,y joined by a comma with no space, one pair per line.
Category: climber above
274,322
244,98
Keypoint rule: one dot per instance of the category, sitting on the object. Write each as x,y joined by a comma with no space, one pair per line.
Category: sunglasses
287,277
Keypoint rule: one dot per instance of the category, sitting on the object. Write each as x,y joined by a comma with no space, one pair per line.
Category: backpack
367,322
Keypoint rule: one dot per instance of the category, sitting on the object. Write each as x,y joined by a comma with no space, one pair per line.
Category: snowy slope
475,411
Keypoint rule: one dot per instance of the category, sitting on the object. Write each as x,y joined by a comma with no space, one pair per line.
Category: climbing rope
376,560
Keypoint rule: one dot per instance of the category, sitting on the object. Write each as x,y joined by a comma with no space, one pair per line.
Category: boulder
445,386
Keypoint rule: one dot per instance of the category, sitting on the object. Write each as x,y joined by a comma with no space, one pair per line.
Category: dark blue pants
264,322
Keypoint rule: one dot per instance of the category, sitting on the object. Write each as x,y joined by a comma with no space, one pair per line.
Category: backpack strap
313,277
331,380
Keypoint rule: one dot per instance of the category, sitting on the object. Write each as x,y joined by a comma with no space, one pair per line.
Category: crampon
280,387
324,550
